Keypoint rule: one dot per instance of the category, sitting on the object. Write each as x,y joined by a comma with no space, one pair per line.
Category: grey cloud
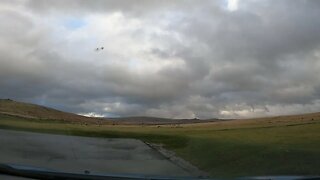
211,62
98,6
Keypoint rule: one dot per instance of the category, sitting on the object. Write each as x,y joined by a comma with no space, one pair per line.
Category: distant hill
27,110
143,120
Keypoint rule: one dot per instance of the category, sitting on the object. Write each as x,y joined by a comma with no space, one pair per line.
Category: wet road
79,154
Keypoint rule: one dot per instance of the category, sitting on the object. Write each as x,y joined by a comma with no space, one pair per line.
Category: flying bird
99,48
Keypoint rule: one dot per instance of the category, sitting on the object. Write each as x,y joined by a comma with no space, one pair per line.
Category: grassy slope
39,112
34,111
269,146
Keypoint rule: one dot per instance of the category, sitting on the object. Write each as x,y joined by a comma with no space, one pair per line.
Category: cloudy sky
176,59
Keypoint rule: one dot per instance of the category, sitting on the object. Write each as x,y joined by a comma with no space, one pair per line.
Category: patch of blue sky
74,23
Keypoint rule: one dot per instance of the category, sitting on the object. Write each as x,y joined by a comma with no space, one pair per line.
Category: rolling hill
32,111
144,120
27,110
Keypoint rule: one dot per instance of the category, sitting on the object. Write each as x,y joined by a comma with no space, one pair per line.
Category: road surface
79,154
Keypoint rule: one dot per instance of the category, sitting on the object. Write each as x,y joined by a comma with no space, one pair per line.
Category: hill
27,110
32,111
143,120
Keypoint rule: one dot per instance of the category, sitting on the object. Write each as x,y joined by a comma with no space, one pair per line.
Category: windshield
160,89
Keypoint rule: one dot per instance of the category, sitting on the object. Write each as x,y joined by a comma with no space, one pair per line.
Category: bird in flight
99,48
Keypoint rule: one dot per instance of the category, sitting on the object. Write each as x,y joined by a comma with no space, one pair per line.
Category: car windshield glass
216,89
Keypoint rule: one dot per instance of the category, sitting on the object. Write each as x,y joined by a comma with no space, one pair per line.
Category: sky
173,59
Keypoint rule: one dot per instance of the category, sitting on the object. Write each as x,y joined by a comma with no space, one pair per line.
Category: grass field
270,146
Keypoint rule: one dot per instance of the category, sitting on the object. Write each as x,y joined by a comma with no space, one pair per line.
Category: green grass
279,150
224,150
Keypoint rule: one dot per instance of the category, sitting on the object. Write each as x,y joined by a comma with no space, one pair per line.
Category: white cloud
91,114
233,5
